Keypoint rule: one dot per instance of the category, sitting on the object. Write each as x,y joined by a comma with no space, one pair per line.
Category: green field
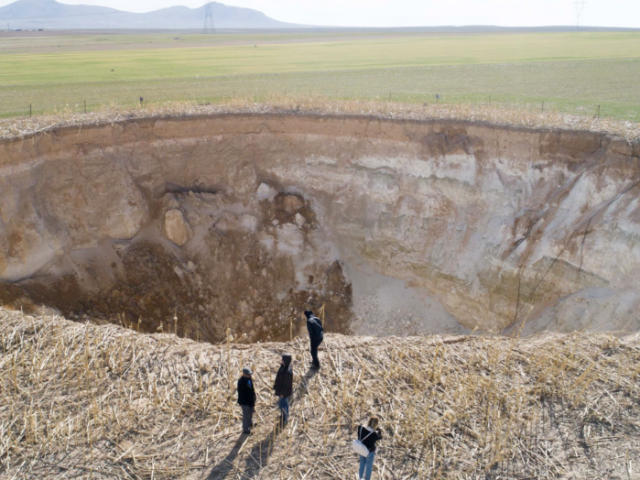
569,72
83,41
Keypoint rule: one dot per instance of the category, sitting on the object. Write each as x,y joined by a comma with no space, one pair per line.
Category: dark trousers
283,405
247,418
314,353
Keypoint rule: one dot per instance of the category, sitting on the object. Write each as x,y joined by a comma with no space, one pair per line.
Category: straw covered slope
86,401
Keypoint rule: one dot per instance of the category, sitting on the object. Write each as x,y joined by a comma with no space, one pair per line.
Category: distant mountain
49,14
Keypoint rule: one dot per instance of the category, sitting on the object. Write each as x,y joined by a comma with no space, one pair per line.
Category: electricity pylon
580,4
209,26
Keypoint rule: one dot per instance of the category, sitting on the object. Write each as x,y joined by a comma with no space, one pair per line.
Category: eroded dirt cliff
399,227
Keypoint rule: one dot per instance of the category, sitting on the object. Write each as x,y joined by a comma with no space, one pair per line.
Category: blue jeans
283,405
367,463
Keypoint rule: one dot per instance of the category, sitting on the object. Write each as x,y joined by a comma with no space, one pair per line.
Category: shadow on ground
260,453
222,469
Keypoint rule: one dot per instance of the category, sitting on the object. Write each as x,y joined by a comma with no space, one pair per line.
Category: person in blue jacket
316,336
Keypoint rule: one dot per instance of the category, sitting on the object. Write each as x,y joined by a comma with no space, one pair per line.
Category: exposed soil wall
399,227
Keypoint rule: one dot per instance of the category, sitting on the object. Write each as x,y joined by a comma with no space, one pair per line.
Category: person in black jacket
368,435
316,336
246,399
284,388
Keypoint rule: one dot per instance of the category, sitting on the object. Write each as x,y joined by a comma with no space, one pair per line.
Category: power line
209,26
580,5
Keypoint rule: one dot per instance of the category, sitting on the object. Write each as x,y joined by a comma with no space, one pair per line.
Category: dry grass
86,401
291,104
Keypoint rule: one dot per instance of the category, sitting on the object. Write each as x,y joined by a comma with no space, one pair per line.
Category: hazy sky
620,13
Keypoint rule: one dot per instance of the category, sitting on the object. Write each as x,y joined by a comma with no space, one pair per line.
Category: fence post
597,115
85,106
543,105
29,110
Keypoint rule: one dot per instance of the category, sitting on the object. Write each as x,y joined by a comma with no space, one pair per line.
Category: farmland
569,72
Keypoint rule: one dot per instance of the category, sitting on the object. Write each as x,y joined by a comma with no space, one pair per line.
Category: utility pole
209,26
580,5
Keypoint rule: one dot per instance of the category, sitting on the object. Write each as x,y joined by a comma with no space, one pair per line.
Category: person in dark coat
284,388
368,435
316,336
246,399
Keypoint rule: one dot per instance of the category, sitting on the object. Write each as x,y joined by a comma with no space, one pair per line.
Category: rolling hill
49,14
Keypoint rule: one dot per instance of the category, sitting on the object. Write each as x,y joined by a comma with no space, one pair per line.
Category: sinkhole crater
236,223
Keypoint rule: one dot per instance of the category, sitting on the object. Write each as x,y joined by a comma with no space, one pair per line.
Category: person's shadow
303,386
222,469
260,453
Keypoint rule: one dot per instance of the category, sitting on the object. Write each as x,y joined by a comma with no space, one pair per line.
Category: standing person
246,399
284,388
316,336
368,435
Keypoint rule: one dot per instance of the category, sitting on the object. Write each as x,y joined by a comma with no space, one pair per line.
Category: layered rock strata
240,221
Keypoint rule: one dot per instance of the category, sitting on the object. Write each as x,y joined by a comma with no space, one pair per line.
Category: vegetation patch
571,73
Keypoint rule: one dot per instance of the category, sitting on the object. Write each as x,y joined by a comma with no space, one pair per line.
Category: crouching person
283,388
246,399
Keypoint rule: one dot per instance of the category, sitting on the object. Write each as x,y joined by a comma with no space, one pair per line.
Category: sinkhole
234,224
